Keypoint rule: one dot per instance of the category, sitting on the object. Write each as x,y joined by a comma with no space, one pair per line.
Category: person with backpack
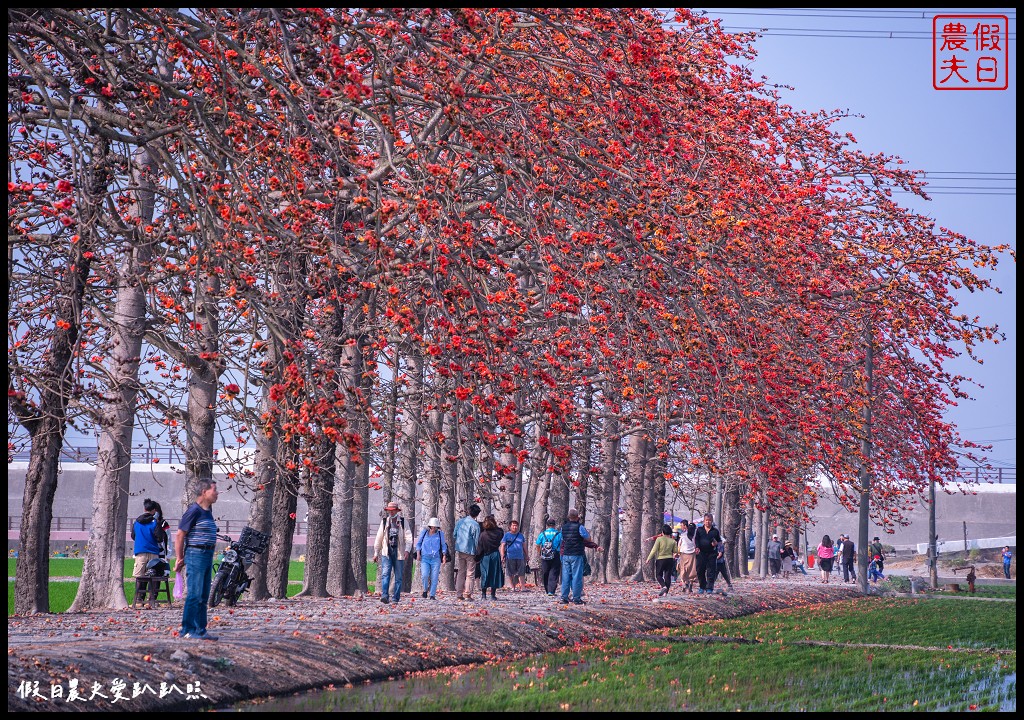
548,543
431,550
515,555
875,549
391,550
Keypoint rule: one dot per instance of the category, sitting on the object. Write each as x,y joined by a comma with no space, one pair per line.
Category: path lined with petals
277,647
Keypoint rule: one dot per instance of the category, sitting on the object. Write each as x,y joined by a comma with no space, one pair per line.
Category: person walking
664,553
826,556
467,535
788,556
849,558
391,549
1007,559
514,552
875,549
193,550
774,556
722,566
707,538
874,572
490,554
687,556
549,543
574,539
431,550
149,533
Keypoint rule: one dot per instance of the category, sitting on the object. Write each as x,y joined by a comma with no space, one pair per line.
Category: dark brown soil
279,647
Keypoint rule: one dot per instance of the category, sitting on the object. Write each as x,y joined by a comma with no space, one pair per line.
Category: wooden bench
143,585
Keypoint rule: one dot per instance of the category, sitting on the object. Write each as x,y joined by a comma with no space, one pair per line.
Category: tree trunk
102,583
540,480
505,477
362,392
319,497
46,426
632,525
448,512
654,504
283,509
341,579
200,421
262,501
731,524
613,459
603,495
558,493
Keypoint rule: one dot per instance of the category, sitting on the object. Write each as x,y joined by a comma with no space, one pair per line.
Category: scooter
232,577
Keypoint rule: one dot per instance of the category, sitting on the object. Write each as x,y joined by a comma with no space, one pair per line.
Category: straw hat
392,506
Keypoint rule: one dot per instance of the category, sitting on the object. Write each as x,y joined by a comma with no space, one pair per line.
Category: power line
851,13
845,13
827,33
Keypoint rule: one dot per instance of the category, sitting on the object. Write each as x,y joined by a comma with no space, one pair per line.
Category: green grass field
62,593
892,655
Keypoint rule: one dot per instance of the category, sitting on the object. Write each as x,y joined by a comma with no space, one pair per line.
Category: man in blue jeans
391,549
574,539
193,550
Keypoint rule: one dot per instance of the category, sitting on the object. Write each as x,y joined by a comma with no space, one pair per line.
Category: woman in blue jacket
431,550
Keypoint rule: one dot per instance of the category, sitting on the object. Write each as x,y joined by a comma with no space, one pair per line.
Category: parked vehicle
232,576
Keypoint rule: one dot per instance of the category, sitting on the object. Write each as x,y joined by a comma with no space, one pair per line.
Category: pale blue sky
878,63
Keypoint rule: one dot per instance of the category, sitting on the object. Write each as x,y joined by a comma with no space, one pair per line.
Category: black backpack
547,548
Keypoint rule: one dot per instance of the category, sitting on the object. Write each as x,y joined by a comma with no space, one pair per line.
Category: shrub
896,583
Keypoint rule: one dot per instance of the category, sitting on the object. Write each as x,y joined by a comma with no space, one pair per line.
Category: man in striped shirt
193,550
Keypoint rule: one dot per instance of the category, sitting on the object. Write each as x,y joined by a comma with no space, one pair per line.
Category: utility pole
933,550
865,473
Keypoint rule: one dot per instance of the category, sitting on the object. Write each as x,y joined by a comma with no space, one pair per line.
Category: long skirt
687,567
492,575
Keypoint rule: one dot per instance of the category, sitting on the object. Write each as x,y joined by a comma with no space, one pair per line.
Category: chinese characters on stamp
970,52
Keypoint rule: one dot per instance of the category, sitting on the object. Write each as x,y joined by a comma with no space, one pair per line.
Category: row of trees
530,257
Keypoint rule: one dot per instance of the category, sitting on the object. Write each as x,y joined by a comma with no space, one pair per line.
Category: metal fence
90,454
84,524
176,455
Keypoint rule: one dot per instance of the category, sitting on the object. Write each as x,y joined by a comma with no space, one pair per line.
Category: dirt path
278,647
